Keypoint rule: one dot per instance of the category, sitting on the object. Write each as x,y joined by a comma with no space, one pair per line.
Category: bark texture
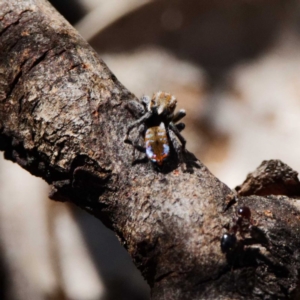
63,117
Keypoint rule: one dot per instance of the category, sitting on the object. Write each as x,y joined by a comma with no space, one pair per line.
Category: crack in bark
15,81
163,276
20,104
75,66
8,12
37,102
13,84
13,23
38,60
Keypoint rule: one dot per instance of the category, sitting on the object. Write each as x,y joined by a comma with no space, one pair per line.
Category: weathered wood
63,117
272,177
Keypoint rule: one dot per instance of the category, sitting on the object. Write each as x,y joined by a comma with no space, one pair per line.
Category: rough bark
63,117
271,178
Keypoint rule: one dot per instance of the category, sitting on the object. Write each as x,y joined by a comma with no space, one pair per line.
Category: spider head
164,103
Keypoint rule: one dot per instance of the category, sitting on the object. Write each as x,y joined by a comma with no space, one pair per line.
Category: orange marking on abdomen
157,146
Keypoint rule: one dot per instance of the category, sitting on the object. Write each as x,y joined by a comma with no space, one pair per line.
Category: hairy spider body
156,124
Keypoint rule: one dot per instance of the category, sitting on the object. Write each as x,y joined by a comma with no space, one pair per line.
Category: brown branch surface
272,177
63,117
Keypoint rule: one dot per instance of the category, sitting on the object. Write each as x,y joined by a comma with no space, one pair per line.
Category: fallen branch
63,117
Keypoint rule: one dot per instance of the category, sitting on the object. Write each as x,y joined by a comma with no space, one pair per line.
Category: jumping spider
157,125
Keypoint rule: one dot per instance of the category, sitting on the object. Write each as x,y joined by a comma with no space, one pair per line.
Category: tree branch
63,117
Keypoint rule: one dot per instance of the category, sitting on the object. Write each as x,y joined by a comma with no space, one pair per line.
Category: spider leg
145,100
136,141
173,127
180,126
136,123
178,116
176,145
136,108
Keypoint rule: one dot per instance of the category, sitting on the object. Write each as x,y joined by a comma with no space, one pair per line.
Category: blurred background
234,66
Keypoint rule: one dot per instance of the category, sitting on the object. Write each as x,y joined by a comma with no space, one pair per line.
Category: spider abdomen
157,144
